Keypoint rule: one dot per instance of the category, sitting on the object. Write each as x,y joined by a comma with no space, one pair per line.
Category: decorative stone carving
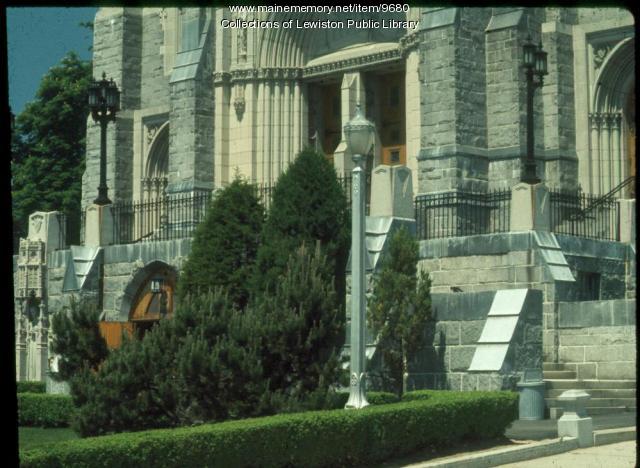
239,101
152,130
600,52
239,105
36,223
352,63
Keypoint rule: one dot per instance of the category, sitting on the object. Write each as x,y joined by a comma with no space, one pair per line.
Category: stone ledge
612,436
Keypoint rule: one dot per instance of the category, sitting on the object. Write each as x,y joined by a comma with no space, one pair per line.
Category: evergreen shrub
33,386
44,410
319,438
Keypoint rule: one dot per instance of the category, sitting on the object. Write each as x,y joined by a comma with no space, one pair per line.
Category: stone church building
523,276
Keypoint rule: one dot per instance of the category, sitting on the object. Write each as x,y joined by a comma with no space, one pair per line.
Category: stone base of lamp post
98,230
530,207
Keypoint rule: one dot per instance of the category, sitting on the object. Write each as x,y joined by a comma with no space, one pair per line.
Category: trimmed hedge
31,387
319,438
44,410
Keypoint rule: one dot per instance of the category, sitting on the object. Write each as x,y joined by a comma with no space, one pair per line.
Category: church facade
208,93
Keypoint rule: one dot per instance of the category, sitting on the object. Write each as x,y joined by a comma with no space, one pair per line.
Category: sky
37,39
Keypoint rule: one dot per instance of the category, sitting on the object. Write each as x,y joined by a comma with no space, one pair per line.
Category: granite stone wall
154,83
513,260
598,338
122,267
452,336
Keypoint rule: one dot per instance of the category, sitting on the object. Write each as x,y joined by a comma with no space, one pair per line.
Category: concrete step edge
503,456
612,436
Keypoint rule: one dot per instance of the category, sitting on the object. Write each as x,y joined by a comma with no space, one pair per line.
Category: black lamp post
104,102
535,65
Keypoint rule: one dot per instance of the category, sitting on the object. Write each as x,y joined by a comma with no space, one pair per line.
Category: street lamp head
541,61
529,54
104,99
156,285
359,133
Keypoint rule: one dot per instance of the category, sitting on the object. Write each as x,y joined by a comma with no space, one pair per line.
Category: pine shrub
225,244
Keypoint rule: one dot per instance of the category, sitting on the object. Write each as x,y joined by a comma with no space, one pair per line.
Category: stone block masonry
598,338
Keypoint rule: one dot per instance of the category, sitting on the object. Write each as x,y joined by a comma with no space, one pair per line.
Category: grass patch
31,437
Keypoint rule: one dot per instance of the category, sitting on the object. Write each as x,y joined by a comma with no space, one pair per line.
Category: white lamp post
359,133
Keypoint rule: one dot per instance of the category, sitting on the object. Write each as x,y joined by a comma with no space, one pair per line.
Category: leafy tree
77,339
399,308
308,205
224,247
48,146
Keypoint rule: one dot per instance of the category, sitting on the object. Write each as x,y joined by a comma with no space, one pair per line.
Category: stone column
453,102
192,105
286,128
352,94
594,160
560,158
413,117
268,132
605,152
41,348
21,341
617,156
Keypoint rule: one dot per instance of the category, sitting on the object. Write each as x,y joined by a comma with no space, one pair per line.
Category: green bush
320,438
31,387
426,394
44,410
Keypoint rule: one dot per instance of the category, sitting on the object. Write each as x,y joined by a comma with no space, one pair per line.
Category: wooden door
147,306
392,119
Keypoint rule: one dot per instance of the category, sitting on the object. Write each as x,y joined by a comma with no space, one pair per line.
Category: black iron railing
345,182
583,215
166,218
460,213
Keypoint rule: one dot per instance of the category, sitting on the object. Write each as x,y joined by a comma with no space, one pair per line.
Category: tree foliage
48,146
224,247
308,205
77,339
399,308
213,362
300,327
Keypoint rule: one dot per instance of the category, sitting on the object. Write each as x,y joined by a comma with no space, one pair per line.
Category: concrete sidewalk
538,441
620,455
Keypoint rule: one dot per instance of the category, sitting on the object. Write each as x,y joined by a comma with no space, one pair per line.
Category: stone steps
599,393
569,384
559,374
600,402
607,396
